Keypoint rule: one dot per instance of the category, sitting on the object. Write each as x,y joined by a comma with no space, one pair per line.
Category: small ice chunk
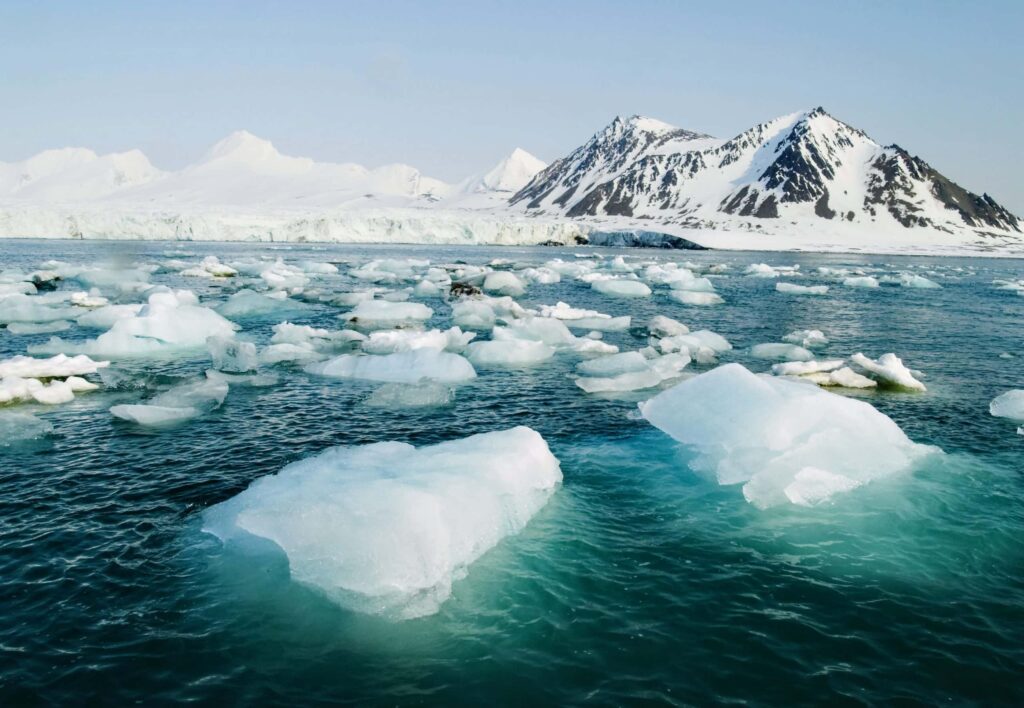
170,322
281,276
621,287
503,282
105,317
808,338
29,308
864,281
585,319
22,328
541,276
249,303
210,267
661,326
18,427
175,405
286,351
59,366
848,378
685,280
1008,405
426,288
888,369
404,340
232,356
794,289
403,367
540,329
780,352
699,299
763,270
698,344
786,442
153,416
253,380
387,528
318,267
613,365
657,371
911,280
381,314
52,394
425,395
473,314
509,353
89,300
804,367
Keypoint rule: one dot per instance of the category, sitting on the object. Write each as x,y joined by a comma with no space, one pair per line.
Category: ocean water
639,582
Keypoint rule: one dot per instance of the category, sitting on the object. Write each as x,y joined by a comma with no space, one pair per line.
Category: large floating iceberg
387,528
784,441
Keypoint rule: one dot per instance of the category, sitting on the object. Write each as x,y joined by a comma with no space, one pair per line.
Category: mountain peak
650,125
509,175
242,146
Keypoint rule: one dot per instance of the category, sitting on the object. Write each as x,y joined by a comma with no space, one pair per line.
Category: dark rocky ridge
626,171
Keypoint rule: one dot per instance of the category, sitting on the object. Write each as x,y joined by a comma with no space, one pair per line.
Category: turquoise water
640,581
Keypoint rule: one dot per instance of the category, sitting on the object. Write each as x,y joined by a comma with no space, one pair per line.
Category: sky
452,87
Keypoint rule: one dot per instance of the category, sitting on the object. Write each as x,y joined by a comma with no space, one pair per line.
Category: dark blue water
639,582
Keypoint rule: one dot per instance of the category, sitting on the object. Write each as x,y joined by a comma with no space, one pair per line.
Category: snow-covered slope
73,174
510,175
806,168
605,156
243,170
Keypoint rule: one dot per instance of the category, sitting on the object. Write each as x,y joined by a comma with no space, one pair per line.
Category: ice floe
794,289
394,396
232,356
402,367
170,322
779,351
861,281
387,528
1008,405
620,287
17,427
657,371
809,338
175,405
784,441
889,370
381,314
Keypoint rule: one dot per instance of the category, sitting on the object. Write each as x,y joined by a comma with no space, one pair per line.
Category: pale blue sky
450,87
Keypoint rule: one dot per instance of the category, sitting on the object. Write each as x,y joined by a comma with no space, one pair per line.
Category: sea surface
639,582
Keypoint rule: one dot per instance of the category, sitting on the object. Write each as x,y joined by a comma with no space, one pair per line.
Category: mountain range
804,179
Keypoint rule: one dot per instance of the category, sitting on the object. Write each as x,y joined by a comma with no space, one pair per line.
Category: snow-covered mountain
806,168
805,180
510,175
243,170
72,174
